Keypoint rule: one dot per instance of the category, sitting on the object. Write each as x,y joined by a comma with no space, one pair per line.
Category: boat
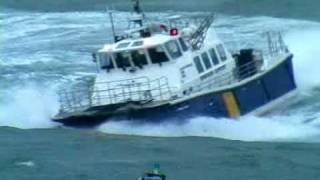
155,174
169,70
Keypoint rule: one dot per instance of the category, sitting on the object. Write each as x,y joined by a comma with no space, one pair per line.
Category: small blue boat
155,174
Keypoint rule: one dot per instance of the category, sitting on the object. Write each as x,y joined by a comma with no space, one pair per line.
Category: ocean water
47,45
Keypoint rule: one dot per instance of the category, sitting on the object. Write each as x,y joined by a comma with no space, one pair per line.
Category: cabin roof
139,43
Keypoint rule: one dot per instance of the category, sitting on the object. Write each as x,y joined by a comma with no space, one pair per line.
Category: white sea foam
25,163
305,46
29,107
246,128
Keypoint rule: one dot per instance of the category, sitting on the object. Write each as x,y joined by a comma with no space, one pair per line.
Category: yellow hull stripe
231,104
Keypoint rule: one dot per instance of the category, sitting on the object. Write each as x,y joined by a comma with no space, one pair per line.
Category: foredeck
138,90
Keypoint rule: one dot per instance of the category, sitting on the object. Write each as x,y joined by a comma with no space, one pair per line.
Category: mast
139,12
137,7
112,26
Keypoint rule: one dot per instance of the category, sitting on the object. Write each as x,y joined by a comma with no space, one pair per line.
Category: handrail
237,75
120,92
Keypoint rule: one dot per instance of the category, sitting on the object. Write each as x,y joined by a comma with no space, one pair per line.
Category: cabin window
137,43
183,44
198,64
158,55
222,52
105,61
173,49
122,59
206,60
183,73
214,56
139,58
123,45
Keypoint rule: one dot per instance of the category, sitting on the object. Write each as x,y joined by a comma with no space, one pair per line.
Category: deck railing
276,47
230,77
139,90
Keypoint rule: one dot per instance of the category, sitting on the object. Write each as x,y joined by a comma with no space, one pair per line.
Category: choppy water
59,154
285,8
43,51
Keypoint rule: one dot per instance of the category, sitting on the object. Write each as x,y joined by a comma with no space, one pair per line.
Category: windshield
158,55
173,49
139,58
122,59
183,44
105,61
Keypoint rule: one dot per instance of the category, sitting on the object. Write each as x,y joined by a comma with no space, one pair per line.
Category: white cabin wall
192,79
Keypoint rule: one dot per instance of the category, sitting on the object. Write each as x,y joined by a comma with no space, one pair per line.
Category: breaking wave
246,129
29,107
305,46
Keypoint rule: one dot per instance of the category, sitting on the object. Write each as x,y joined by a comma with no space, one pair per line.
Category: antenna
138,10
137,7
110,12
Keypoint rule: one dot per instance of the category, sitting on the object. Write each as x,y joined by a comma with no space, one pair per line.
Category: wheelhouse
132,54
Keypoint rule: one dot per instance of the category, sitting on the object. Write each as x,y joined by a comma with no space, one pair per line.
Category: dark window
122,59
206,60
123,45
137,43
157,55
198,64
222,52
214,56
183,44
105,61
183,73
139,58
173,49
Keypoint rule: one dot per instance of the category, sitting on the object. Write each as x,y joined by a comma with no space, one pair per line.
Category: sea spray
278,128
304,44
29,107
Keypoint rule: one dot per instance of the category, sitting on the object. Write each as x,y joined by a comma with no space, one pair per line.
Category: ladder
198,37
